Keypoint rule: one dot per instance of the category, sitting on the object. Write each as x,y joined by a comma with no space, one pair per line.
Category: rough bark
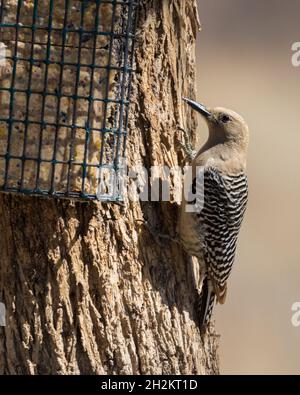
87,288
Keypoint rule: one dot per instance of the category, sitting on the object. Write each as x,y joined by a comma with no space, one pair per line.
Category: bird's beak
199,107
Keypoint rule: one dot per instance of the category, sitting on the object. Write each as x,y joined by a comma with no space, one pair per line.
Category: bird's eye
225,118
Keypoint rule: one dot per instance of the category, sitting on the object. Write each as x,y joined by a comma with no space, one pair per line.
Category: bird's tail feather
207,302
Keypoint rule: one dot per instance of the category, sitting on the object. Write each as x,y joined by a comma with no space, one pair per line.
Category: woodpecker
211,234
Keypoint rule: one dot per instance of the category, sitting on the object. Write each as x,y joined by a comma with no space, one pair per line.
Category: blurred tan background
244,63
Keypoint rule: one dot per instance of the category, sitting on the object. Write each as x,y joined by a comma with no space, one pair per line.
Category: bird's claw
187,146
158,236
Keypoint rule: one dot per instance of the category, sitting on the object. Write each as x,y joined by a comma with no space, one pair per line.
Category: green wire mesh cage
65,77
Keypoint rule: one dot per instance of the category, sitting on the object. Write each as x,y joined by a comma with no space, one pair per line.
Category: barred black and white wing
225,200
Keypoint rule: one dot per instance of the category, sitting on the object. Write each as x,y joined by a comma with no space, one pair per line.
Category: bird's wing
224,204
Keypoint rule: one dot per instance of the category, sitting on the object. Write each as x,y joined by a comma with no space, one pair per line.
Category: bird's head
225,126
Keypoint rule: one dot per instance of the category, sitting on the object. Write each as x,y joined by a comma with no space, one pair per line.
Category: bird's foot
157,235
187,146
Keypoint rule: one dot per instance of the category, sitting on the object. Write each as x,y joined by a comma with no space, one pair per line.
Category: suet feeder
65,78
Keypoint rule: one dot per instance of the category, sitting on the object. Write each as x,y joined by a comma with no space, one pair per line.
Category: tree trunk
87,288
